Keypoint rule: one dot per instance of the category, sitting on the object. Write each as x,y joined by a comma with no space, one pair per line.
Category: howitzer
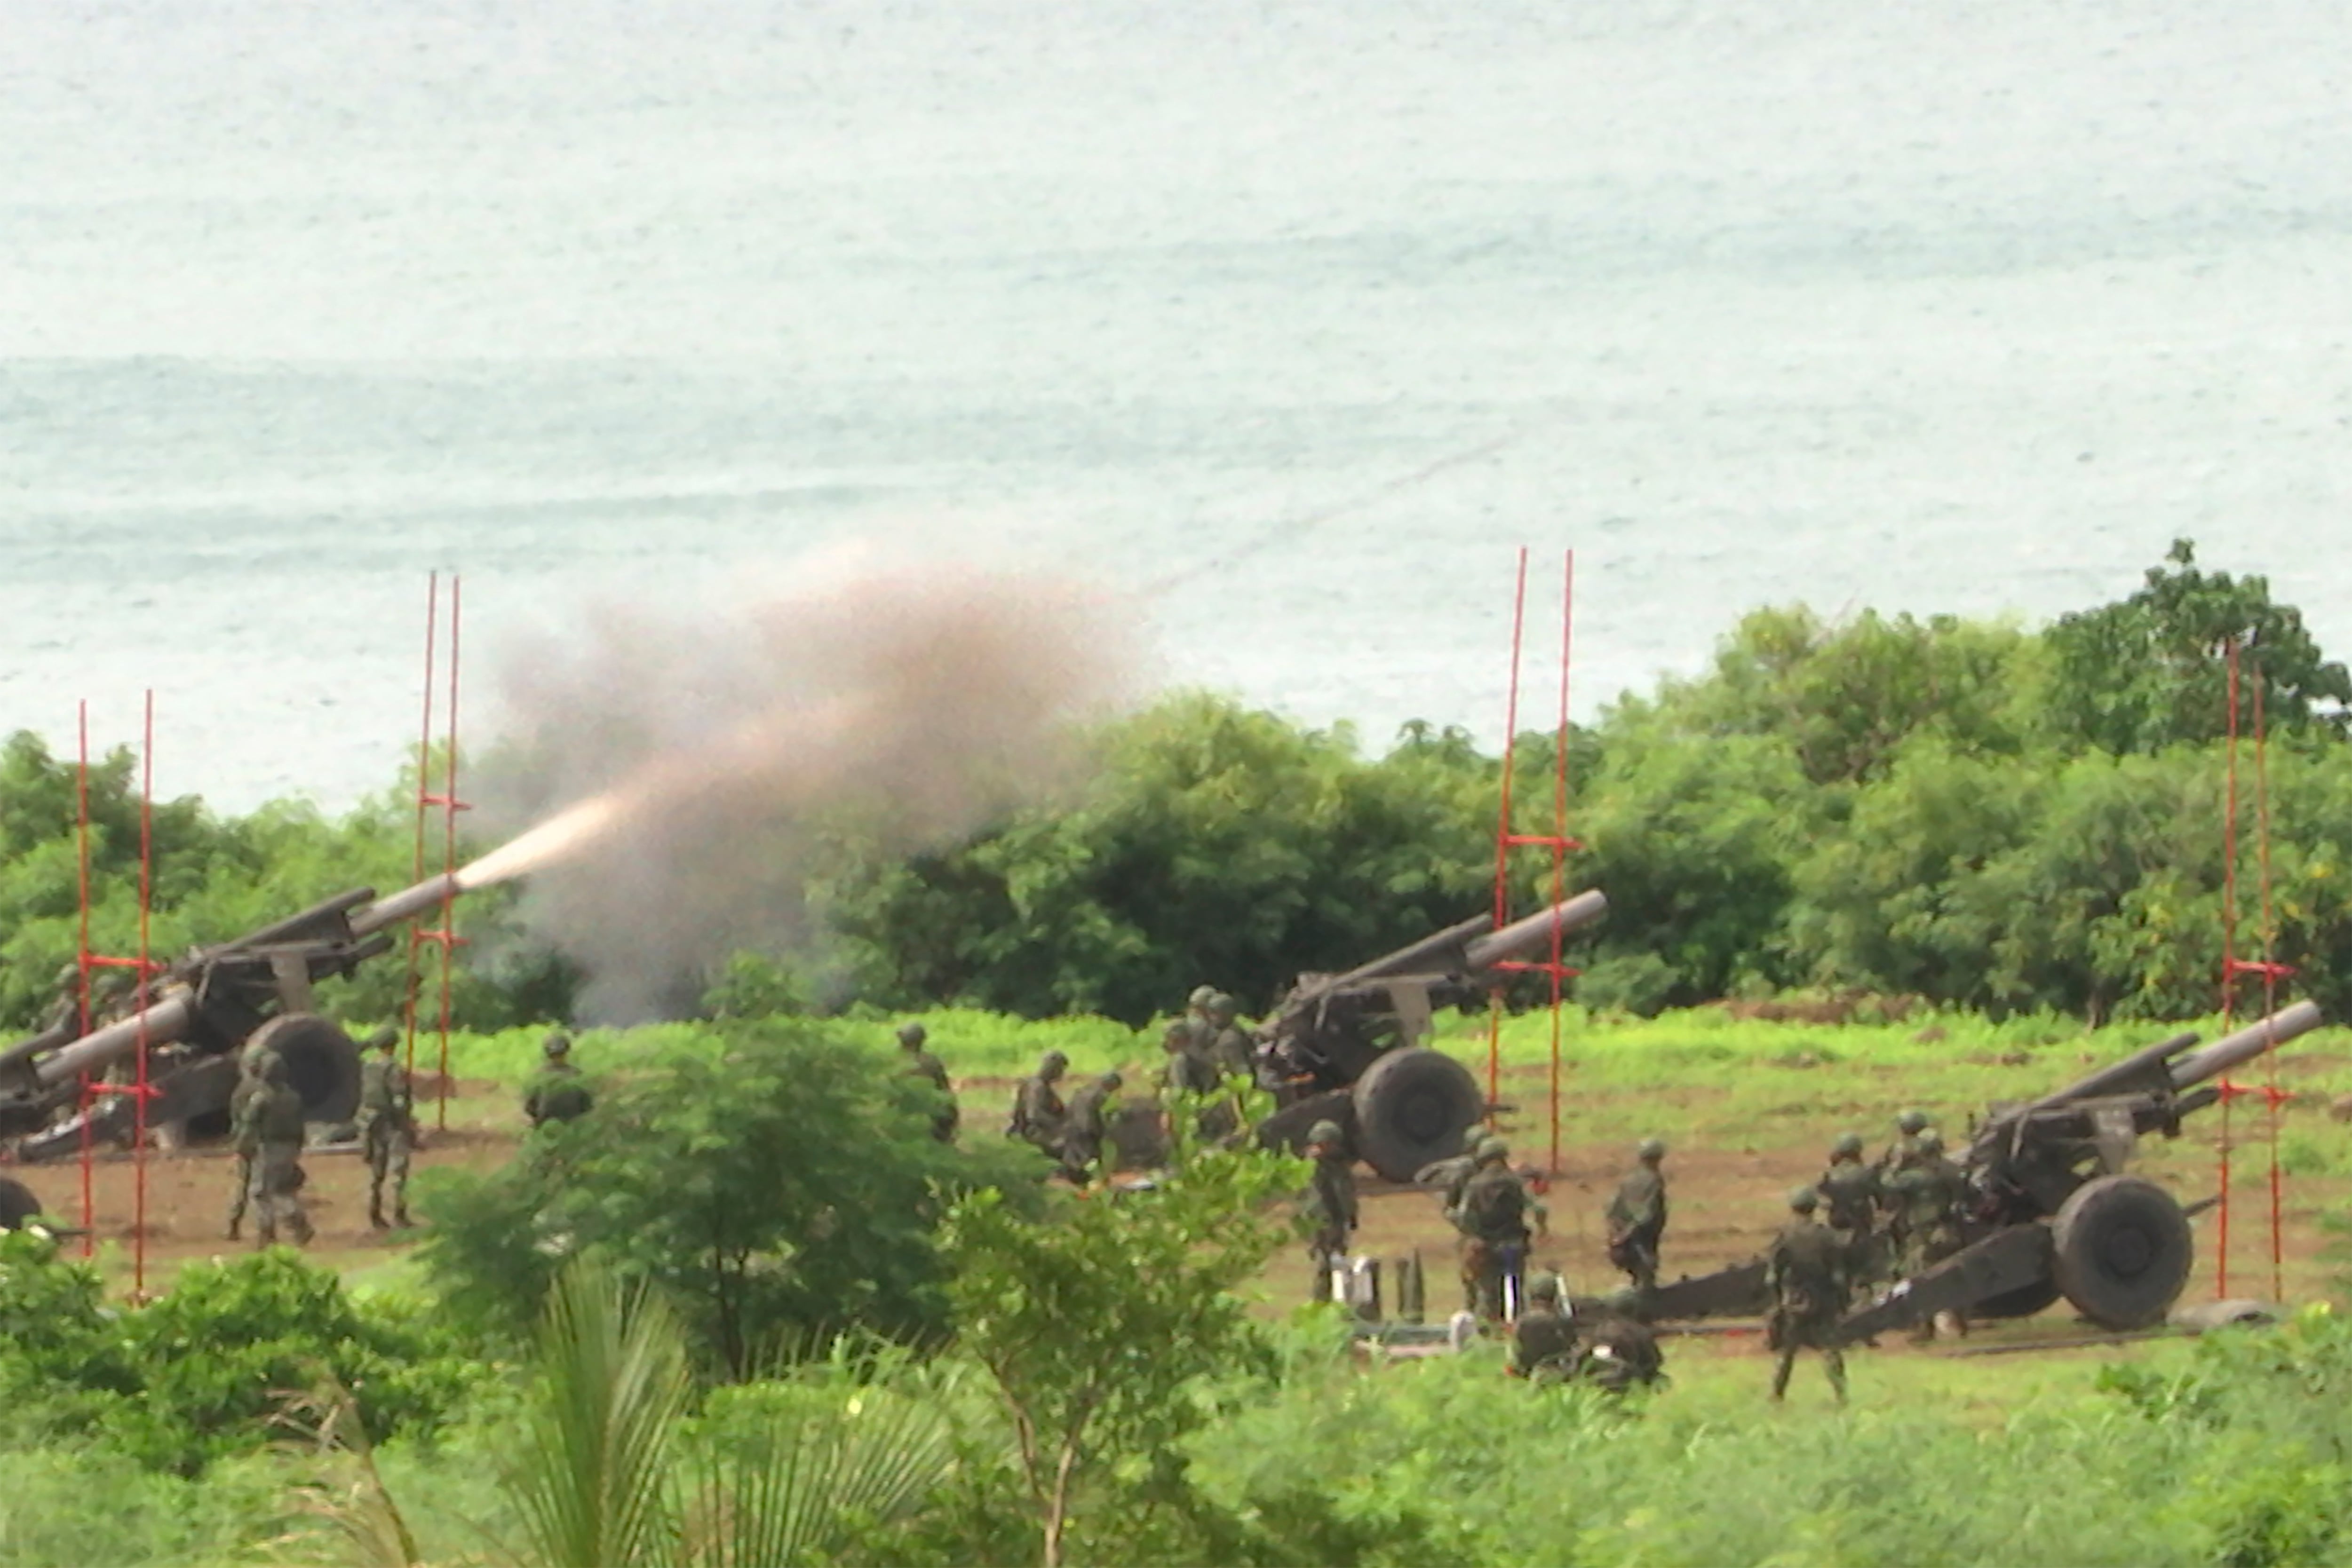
1347,1048
2052,1212
199,1014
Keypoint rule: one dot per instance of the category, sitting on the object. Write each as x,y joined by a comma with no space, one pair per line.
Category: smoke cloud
669,776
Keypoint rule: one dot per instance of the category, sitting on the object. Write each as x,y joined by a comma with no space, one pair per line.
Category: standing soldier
1331,1203
1493,1217
1806,1273
387,1127
1637,1216
1543,1342
1084,1128
1851,1191
1037,1109
1931,1197
558,1093
1903,1152
922,1064
271,1123
248,1084
1230,1050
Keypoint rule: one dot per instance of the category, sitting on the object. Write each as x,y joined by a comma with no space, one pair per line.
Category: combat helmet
1651,1149
1911,1122
1804,1199
1221,1008
1202,996
1544,1288
1931,1142
1051,1064
557,1047
1324,1132
1111,1080
911,1035
1492,1149
383,1039
1847,1147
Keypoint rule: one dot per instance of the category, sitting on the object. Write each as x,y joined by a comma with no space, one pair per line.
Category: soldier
1331,1204
1543,1340
1189,1070
1637,1216
387,1127
1230,1050
271,1123
1903,1152
1806,1273
1931,1197
1037,1109
1084,1128
922,1064
249,1084
1449,1174
1851,1192
1492,1216
558,1093
1623,1350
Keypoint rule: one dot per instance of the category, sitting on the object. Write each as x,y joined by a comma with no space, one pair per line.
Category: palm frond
795,1496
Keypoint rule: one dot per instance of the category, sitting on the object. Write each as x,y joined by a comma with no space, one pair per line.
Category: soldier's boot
376,1220
235,1224
1786,1364
1833,1361
400,1221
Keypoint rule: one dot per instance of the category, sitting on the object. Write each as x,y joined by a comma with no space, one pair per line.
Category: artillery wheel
2121,1250
322,1064
17,1204
1412,1107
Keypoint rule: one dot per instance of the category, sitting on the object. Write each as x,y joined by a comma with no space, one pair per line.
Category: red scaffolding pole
442,936
141,969
1507,839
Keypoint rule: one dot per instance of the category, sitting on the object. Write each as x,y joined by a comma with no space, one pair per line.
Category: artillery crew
1084,1129
1493,1215
1038,1113
1851,1194
1332,1205
271,1123
558,1093
1903,1152
922,1064
387,1127
1543,1340
1230,1049
1931,1198
1637,1216
246,1146
1806,1274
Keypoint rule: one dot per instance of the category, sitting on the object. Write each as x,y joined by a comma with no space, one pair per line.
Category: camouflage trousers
1636,1254
1328,1243
277,1194
1790,1333
240,1191
385,1142
1493,1274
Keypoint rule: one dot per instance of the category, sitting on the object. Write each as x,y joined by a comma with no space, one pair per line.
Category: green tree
2149,671
1097,1324
781,1185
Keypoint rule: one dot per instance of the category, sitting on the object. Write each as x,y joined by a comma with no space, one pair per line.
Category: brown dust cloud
666,777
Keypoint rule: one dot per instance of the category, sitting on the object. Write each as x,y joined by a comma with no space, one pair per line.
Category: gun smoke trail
682,773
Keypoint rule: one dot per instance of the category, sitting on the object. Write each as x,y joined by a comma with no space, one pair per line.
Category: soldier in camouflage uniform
1331,1204
272,1123
1493,1216
558,1093
1932,1199
249,1082
387,1127
1543,1340
1806,1273
1849,1191
1037,1109
1903,1152
1084,1128
1637,1216
1620,1350
1230,1049
922,1064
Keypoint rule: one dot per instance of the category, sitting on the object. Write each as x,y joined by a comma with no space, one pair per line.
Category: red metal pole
146,901
449,861
1503,832
1560,833
82,800
424,797
2270,1095
2229,961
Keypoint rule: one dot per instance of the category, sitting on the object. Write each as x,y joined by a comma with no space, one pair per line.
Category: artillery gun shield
1412,1106
323,1063
17,1204
2121,1251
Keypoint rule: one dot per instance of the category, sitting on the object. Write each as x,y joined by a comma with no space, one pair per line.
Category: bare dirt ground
1726,1202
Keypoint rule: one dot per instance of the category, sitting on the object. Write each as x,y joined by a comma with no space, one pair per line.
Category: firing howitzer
1347,1048
2052,1211
200,1014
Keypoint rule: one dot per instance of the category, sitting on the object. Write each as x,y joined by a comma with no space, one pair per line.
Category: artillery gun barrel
2246,1044
406,903
1571,915
164,1021
2119,1077
1439,951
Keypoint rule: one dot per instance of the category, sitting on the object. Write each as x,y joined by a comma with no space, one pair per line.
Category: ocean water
1289,322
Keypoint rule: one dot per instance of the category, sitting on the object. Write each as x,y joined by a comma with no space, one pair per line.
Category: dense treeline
1974,812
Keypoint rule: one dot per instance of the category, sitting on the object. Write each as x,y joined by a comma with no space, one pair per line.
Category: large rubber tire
2121,1251
17,1204
1411,1109
322,1064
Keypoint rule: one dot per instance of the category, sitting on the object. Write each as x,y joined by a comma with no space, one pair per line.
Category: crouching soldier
1543,1342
